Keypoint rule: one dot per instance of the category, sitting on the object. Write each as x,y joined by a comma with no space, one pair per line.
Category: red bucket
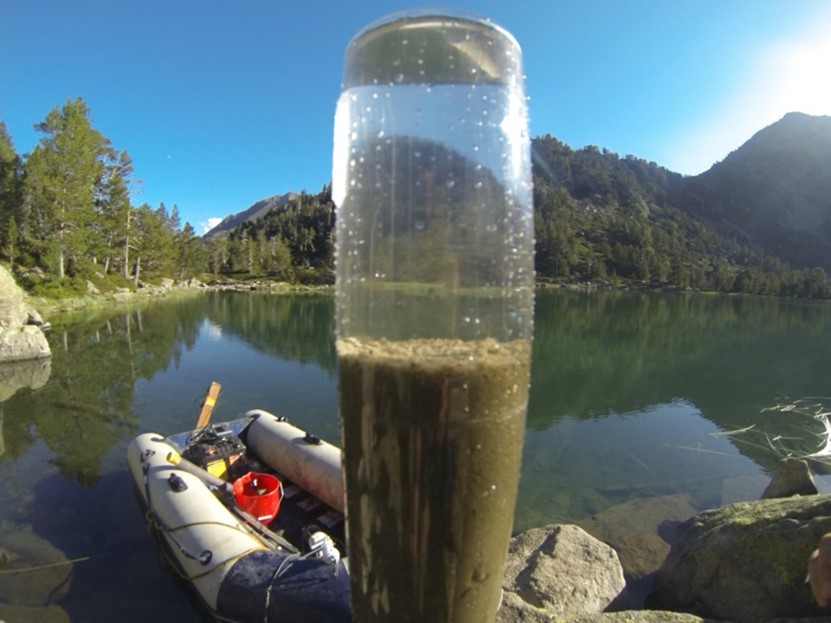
259,495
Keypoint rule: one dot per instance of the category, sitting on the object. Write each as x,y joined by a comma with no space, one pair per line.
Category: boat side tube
203,536
238,578
311,463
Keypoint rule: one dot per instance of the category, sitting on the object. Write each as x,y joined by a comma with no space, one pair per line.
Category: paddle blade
208,405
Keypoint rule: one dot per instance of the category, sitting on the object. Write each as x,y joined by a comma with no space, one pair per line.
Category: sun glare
790,75
801,69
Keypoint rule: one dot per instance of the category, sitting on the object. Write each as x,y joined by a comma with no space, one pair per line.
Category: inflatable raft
250,513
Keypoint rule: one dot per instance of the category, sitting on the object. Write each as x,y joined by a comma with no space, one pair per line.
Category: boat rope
282,568
50,565
156,529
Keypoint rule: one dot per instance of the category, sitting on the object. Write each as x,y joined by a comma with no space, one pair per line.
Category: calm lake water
644,409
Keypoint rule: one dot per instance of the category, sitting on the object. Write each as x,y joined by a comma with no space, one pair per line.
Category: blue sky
224,103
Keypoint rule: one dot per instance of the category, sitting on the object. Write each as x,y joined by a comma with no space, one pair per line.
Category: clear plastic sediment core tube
434,305
432,182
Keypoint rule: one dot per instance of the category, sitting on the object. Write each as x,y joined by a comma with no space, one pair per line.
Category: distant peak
252,212
801,117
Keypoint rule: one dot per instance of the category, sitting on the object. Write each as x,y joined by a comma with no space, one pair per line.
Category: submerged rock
36,572
13,613
641,531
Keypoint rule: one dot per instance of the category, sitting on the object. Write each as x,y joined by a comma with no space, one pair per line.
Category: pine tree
10,191
10,242
192,257
62,176
115,214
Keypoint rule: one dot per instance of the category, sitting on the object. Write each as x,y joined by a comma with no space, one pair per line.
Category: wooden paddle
208,405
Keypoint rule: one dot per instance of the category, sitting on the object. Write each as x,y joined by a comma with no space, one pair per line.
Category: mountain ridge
776,189
758,221
256,210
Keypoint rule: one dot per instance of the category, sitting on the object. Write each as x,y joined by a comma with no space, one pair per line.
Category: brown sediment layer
433,433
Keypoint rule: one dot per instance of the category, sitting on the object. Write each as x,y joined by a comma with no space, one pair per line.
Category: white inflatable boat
250,512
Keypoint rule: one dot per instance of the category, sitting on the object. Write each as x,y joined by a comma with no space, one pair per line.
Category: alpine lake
644,409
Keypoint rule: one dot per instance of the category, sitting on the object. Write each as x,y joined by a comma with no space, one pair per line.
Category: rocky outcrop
562,574
742,563
19,340
745,562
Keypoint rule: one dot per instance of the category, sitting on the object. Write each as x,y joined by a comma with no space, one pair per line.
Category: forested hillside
293,241
602,218
66,215
759,222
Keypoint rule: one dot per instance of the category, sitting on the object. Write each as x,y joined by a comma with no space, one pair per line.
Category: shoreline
124,298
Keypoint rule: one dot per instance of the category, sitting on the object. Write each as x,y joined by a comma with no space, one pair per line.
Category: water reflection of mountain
598,353
296,328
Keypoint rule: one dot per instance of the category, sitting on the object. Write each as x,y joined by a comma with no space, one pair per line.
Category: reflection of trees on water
86,406
295,328
594,354
599,353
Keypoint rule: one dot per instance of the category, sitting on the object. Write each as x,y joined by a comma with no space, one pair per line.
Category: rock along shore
742,563
21,326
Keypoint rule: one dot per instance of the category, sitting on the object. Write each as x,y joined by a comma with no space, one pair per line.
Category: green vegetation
604,219
68,216
292,242
66,219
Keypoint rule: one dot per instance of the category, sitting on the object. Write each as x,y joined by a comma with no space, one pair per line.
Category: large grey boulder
12,302
559,569
745,562
19,341
22,344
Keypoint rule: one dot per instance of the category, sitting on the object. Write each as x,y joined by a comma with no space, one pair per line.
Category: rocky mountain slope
252,213
773,192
